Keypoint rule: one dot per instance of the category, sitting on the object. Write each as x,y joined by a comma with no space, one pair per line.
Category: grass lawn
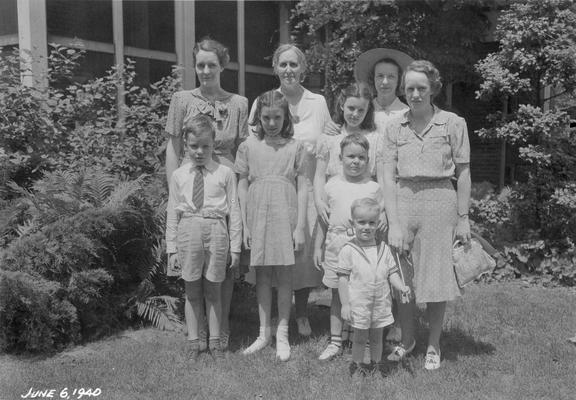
501,341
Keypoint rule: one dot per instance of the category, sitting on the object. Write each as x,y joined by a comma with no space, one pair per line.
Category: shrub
537,41
74,217
74,125
91,242
33,315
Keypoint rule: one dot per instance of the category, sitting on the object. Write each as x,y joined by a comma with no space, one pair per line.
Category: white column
241,47
118,34
33,43
185,39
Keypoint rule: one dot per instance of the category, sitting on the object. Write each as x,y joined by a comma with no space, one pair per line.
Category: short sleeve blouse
230,114
384,115
257,158
431,154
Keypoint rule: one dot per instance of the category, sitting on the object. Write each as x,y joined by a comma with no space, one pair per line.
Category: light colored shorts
203,245
370,312
335,240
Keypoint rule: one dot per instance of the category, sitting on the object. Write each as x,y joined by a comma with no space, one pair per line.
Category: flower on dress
221,110
218,111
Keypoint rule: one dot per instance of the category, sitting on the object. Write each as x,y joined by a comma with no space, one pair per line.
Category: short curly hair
299,53
213,46
431,72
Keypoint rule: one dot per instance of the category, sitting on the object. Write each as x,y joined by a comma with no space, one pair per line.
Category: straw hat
365,63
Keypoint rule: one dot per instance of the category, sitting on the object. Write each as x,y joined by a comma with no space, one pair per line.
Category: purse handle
397,259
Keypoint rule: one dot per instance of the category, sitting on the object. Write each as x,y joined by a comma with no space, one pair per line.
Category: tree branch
555,95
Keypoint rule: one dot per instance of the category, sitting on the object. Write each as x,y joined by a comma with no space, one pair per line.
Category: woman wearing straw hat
382,69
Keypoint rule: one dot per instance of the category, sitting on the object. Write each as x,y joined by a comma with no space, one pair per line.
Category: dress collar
306,94
217,109
438,118
396,105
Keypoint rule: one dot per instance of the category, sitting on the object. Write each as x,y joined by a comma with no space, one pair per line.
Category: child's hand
318,259
173,265
345,312
322,209
246,238
234,259
235,264
298,237
405,291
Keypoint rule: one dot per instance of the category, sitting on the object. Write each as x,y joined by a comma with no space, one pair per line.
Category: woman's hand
462,232
322,209
246,238
318,258
383,223
396,238
332,128
235,264
298,238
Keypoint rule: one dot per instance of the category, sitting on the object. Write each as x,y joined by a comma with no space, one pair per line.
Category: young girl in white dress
273,197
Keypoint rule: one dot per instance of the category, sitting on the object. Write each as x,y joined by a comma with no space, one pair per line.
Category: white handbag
470,261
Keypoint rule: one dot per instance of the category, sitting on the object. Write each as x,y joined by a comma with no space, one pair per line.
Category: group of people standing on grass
362,201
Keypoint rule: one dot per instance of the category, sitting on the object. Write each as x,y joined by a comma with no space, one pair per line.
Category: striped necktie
198,189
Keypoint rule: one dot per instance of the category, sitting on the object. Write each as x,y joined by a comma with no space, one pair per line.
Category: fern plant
96,242
157,299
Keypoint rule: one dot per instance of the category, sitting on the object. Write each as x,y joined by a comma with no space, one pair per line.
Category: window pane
256,84
87,19
8,17
228,80
261,32
217,19
149,25
150,71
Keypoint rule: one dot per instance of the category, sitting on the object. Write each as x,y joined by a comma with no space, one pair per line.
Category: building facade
155,34
161,33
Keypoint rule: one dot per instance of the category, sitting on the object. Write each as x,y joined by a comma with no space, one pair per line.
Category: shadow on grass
454,341
244,321
457,342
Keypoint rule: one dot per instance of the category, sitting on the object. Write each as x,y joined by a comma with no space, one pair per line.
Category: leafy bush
75,218
537,41
335,33
90,243
74,125
33,314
